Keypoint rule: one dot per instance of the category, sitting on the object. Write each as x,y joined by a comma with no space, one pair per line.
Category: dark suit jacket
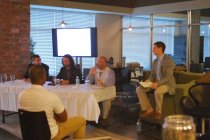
73,73
167,70
46,67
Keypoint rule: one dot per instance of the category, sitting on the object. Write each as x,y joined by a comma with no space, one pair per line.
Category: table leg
3,116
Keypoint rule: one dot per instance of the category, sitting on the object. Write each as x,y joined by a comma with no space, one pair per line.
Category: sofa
184,80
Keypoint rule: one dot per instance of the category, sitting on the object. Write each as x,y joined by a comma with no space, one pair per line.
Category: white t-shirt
37,99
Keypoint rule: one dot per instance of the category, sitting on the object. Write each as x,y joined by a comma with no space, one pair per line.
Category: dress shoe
104,123
157,116
147,114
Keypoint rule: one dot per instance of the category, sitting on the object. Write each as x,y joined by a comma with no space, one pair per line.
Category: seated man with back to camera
69,71
36,60
37,98
103,76
163,82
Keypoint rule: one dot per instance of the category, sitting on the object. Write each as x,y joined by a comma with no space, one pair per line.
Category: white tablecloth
78,101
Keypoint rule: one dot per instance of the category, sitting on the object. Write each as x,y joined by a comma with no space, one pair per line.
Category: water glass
12,77
1,78
4,78
57,82
179,127
87,82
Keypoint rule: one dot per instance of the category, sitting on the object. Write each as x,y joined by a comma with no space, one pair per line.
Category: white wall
109,36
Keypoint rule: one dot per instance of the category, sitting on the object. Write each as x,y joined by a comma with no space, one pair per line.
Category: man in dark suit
36,60
162,82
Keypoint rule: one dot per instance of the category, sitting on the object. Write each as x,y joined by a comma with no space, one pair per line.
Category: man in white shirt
37,98
103,76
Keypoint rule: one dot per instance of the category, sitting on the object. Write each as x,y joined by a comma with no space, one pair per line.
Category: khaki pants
74,125
144,101
106,108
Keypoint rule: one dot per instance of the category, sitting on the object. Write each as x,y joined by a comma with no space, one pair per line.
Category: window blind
42,22
136,44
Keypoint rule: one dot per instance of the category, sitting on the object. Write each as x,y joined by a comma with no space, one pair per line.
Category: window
205,32
43,19
136,43
171,31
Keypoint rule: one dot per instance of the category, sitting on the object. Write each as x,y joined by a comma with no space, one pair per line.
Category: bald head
101,62
37,74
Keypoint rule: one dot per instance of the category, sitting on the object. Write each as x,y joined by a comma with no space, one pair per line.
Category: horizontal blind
42,22
136,44
165,34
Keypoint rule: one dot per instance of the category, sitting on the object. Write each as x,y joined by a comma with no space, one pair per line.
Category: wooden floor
125,125
118,129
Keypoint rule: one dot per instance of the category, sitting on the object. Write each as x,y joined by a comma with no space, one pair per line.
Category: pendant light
130,27
62,24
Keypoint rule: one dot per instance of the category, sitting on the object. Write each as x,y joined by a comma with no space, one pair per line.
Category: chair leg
3,116
202,126
174,99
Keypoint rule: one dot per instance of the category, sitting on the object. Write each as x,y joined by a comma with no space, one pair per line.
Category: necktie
100,73
158,69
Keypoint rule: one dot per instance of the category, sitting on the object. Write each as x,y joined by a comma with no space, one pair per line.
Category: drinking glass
4,78
12,77
1,78
179,127
87,82
57,82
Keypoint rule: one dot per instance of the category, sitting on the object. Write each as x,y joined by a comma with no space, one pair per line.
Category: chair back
122,75
207,62
34,125
200,93
187,104
196,67
130,87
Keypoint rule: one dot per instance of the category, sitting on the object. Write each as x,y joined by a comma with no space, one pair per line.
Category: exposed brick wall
14,36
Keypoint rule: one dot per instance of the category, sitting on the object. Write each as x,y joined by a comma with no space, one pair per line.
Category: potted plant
32,46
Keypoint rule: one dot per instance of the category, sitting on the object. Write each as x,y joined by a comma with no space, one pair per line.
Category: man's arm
169,72
91,75
111,79
62,117
60,114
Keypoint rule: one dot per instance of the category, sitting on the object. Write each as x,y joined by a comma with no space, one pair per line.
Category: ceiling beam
148,10
172,7
84,6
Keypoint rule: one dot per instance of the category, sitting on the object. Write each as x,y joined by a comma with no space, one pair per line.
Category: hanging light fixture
62,24
130,27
